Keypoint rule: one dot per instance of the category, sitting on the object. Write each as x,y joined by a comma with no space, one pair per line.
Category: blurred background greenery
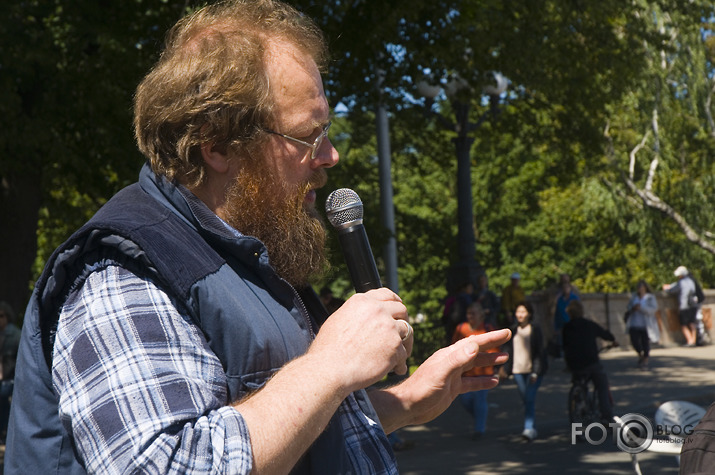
599,162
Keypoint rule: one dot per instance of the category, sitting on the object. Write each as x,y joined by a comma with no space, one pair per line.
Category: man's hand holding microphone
369,336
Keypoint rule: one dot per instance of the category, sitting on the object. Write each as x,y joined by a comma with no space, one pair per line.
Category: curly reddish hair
210,84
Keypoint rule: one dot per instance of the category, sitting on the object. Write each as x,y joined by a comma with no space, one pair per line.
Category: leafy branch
648,197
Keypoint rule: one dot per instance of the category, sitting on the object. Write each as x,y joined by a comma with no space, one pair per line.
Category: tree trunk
20,198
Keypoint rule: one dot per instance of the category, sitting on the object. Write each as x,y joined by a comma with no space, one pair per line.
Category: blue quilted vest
253,320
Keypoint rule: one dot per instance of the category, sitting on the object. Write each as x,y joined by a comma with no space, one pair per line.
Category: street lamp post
465,218
466,268
386,202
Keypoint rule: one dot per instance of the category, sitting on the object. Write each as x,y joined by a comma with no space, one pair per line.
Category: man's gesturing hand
439,380
363,340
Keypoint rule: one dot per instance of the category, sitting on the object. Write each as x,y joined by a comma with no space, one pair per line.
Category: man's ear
215,157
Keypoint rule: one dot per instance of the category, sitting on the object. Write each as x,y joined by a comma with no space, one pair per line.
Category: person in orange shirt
475,402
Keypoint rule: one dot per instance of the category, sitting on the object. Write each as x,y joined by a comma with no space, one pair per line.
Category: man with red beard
176,332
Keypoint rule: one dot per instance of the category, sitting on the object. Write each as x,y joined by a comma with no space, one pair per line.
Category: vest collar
191,209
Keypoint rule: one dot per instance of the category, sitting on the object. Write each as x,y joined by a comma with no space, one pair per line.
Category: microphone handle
359,259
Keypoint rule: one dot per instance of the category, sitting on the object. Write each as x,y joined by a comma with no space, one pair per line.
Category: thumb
464,352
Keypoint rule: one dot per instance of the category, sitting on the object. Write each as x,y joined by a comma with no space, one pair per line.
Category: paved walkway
444,446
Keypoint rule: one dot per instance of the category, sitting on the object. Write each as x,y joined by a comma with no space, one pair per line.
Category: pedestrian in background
561,316
475,402
455,309
488,299
527,363
511,295
581,354
684,289
641,323
329,301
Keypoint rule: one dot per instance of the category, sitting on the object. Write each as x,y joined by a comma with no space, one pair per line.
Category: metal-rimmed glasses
316,143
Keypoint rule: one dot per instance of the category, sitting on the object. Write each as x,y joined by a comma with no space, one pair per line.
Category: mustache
317,180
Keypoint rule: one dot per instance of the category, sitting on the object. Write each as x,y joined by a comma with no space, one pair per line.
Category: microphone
345,212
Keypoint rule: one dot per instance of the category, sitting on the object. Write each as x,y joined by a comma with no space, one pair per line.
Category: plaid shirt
140,389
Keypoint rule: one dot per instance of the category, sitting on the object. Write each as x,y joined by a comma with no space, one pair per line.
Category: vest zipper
304,311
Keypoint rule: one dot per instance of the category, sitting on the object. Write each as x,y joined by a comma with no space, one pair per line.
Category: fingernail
471,348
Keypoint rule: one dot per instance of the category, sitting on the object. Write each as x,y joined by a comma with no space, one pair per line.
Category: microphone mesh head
344,207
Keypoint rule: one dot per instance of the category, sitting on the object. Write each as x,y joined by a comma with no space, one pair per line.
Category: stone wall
608,310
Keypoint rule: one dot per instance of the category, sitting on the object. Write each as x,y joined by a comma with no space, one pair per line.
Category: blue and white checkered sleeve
139,388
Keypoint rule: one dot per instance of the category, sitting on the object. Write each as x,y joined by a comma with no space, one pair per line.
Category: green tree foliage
660,144
547,196
68,71
552,182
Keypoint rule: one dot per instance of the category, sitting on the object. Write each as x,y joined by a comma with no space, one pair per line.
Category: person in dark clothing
488,300
177,330
697,457
330,302
455,310
581,353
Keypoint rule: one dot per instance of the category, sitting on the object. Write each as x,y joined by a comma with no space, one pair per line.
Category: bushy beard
262,206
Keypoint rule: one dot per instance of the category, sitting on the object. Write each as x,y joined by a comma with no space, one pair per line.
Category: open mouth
310,197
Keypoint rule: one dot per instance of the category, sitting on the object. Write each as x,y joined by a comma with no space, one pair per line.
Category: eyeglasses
316,143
